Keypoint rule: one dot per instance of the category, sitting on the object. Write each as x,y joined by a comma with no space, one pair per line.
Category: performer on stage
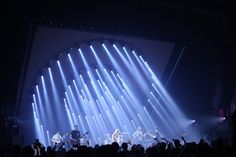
57,138
116,136
75,137
138,136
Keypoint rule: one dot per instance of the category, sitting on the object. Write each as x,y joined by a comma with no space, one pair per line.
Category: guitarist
58,140
75,137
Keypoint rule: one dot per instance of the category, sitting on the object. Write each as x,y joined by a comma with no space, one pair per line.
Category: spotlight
222,118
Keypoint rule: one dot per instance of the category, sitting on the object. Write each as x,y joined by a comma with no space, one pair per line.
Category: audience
218,148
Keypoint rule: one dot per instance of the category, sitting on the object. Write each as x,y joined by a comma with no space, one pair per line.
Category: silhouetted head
177,143
36,140
76,127
115,146
124,146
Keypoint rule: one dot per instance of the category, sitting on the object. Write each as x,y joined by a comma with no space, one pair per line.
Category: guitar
57,138
76,141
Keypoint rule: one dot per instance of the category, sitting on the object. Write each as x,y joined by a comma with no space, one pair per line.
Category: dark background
203,80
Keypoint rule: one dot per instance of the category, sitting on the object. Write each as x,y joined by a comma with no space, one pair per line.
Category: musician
138,136
116,136
75,137
57,138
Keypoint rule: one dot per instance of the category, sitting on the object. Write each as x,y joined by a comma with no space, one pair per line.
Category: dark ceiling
206,29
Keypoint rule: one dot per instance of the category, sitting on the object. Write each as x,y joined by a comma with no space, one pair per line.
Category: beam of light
93,108
88,95
100,80
116,80
163,94
102,67
109,98
35,106
86,102
70,108
116,91
100,64
141,64
46,104
64,81
132,69
116,117
161,117
108,92
165,114
84,60
132,100
144,124
39,131
75,121
68,114
82,124
114,62
82,80
129,92
79,97
98,129
107,111
96,89
109,78
48,138
54,94
74,69
36,123
127,108
90,128
75,103
151,120
125,116
45,93
103,123
43,135
132,121
40,104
